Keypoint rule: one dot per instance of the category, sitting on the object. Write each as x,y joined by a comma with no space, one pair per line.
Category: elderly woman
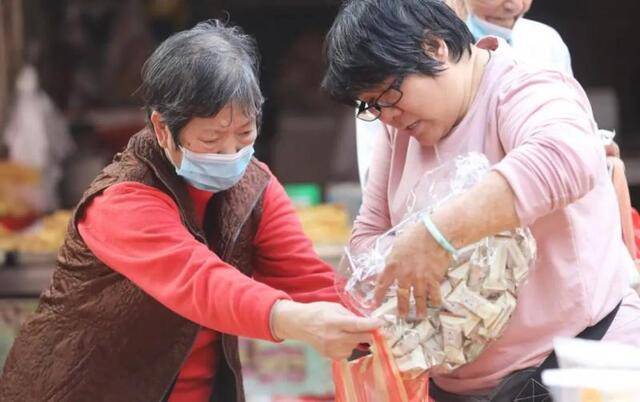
413,65
532,41
179,246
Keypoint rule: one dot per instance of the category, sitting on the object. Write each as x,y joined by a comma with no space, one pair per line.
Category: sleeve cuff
267,314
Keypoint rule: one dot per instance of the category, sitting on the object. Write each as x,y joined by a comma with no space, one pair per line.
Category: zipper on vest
231,366
167,392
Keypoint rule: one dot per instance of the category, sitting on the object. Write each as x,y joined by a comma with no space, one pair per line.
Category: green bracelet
438,236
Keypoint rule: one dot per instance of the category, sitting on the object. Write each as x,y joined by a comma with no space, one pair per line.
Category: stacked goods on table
39,243
18,192
325,223
23,232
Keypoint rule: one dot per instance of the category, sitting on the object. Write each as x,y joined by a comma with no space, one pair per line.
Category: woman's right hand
329,327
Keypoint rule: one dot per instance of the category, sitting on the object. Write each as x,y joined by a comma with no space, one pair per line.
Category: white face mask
481,28
214,172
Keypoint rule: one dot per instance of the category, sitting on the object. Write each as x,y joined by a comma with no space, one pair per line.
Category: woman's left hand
418,264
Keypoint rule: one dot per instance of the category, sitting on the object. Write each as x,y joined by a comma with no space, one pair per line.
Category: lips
503,22
412,126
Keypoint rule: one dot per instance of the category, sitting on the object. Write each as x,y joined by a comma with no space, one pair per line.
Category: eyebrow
368,99
224,130
208,137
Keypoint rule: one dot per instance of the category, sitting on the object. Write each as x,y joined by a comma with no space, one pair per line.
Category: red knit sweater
136,230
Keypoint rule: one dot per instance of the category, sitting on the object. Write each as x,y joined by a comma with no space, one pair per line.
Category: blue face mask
214,172
480,28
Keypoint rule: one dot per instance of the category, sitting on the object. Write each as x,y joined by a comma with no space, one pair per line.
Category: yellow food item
46,240
12,206
11,172
591,395
326,223
7,239
15,180
50,237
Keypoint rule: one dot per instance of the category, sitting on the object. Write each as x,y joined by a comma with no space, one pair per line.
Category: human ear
160,129
437,49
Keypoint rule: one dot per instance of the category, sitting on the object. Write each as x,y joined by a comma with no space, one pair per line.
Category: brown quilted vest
95,336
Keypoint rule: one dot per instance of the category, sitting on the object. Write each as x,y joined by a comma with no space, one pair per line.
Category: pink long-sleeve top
536,128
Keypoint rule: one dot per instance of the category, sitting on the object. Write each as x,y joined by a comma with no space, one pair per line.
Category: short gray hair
197,72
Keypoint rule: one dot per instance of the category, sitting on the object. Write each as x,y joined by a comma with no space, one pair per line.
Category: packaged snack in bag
479,292
377,378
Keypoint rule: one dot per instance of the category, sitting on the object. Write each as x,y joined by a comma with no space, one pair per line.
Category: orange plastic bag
375,378
627,218
635,216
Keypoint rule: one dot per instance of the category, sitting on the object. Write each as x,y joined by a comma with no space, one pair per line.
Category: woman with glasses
530,41
413,65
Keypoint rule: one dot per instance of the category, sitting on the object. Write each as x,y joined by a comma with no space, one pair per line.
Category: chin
427,139
505,23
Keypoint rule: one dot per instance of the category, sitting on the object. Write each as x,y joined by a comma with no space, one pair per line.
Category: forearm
484,210
284,258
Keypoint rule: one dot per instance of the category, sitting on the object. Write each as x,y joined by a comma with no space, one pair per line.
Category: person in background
530,41
182,244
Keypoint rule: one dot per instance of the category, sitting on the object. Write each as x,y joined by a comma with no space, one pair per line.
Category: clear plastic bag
480,288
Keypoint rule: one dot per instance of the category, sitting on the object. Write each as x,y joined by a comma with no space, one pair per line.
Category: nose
389,114
230,146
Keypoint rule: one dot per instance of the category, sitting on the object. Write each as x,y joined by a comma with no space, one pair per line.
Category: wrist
451,225
435,235
280,321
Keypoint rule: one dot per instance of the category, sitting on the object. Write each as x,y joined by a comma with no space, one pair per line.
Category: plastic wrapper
377,377
597,385
479,292
588,354
594,371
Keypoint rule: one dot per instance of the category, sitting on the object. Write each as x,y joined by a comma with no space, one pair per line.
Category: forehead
229,117
376,91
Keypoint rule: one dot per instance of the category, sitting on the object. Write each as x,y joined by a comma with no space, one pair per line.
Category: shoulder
258,164
522,89
543,33
132,196
508,72
273,188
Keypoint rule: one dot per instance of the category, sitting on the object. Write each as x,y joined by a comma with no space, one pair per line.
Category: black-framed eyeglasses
391,95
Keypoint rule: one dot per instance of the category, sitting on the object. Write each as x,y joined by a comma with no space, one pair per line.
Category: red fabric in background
635,216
